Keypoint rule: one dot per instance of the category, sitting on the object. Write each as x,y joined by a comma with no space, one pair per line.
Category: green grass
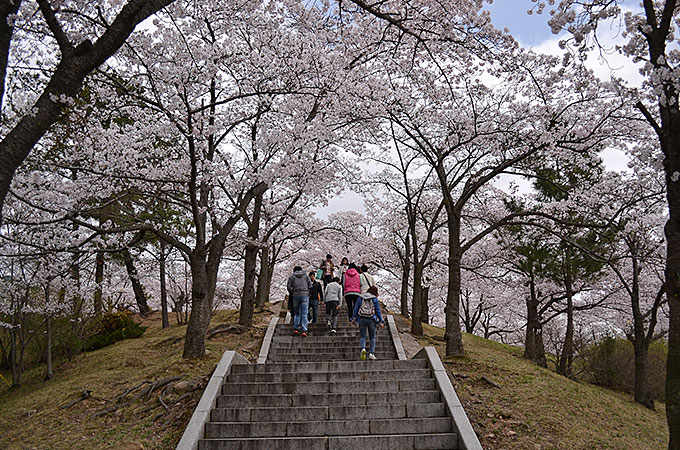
31,417
534,408
537,409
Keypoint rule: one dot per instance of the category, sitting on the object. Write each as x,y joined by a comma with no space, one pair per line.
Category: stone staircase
315,393
321,345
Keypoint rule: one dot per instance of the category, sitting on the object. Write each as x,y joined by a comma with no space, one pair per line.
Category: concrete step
329,340
323,387
330,366
351,427
340,348
299,349
325,332
333,412
326,399
310,357
305,377
322,327
374,442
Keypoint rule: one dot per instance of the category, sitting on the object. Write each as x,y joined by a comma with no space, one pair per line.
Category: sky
532,31
529,30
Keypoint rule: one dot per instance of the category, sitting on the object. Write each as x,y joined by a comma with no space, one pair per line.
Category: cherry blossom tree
635,259
75,38
189,140
496,133
651,38
408,181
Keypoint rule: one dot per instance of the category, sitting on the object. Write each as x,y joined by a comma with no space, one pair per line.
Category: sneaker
372,357
333,331
304,334
295,332
363,354
329,324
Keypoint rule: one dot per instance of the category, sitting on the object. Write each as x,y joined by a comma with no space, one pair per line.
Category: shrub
112,328
611,363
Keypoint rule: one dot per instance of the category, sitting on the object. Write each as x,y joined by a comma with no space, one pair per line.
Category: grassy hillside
535,408
32,418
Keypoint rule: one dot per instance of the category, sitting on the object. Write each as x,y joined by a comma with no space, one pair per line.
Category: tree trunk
248,301
66,82
425,305
137,288
668,132
640,339
16,375
22,342
265,278
201,308
164,289
642,392
417,303
99,280
534,349
48,350
7,9
567,356
453,336
672,273
250,265
405,275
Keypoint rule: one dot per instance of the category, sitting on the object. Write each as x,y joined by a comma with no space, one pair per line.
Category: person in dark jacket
298,287
315,296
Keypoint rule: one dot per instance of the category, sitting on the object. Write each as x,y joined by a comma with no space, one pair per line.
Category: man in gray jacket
299,286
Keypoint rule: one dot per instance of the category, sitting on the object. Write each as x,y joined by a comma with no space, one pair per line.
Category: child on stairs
333,296
367,314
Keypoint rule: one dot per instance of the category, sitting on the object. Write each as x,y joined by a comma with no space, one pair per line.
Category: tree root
127,391
169,341
146,392
232,329
84,394
491,382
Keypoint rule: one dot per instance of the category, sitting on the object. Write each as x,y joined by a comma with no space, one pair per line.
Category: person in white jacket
365,278
333,297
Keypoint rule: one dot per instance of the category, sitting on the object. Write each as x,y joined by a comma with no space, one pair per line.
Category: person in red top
351,286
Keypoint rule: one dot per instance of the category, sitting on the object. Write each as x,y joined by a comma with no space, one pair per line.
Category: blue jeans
367,324
301,308
314,305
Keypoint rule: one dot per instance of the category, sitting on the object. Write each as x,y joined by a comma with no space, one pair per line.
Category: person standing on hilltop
344,265
366,279
299,284
351,286
328,267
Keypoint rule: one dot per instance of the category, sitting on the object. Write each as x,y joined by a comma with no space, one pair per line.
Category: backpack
367,308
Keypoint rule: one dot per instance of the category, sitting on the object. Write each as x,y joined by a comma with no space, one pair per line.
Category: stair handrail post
467,438
195,430
267,341
396,340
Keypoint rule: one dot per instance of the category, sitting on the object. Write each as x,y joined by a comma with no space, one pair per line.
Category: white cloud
604,60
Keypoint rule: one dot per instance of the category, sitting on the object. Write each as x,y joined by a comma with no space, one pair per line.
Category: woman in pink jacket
351,286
